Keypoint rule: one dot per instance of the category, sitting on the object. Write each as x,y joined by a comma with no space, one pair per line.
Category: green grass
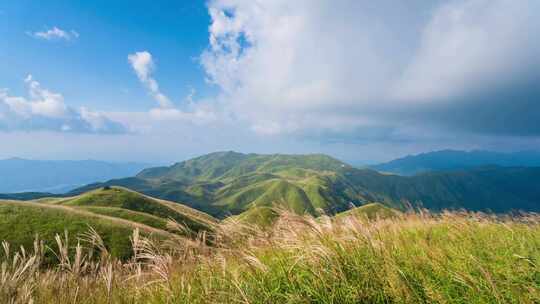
371,211
134,216
227,183
121,198
262,217
455,261
21,222
416,258
287,195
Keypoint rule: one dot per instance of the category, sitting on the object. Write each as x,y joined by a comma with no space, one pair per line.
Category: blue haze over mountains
454,160
59,176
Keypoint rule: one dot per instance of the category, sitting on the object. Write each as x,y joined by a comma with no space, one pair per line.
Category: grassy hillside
130,205
21,222
261,217
113,212
415,258
229,183
230,165
495,189
133,216
371,211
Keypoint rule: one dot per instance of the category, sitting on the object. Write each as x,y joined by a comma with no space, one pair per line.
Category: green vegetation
134,216
261,217
133,206
229,183
113,212
288,236
457,160
230,165
370,211
414,258
22,222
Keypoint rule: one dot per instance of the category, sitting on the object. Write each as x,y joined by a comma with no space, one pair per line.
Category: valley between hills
169,224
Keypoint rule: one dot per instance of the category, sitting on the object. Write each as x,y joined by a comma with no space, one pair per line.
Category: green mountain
230,165
370,211
455,160
496,189
230,183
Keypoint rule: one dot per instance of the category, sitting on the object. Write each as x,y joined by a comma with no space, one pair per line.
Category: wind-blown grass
412,258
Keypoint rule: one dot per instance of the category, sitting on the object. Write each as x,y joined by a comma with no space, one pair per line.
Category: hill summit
230,183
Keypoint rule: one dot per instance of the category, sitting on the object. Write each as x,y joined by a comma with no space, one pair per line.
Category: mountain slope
113,212
230,165
228,183
127,204
22,175
20,222
370,211
496,189
453,160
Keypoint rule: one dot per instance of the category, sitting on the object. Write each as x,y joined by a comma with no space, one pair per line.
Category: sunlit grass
412,258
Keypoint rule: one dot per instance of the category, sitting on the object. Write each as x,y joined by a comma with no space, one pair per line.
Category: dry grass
415,258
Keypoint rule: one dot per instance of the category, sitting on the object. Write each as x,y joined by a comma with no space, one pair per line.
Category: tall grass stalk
453,257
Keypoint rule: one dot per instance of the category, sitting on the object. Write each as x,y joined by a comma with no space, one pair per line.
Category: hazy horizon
351,162
160,83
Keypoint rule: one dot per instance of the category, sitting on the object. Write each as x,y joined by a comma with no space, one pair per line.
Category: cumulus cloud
55,33
46,110
191,112
348,67
143,65
472,45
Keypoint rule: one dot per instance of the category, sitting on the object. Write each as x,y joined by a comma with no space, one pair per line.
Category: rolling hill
248,187
21,222
455,160
124,203
112,211
230,183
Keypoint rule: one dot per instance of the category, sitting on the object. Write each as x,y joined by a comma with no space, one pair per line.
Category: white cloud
191,111
472,45
46,110
143,65
42,102
55,33
298,66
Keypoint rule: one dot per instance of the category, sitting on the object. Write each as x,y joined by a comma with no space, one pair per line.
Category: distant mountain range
230,183
23,175
225,184
453,160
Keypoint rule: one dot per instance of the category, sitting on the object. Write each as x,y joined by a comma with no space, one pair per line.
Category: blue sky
364,81
93,68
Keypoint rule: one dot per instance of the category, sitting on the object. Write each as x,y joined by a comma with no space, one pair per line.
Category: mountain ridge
444,160
230,183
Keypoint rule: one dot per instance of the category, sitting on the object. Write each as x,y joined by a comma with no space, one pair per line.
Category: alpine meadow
269,151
